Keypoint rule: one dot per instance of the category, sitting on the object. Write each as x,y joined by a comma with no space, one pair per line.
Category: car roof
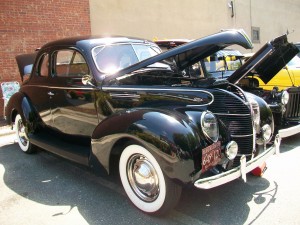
94,40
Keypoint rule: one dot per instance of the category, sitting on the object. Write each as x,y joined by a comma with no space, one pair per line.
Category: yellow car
287,77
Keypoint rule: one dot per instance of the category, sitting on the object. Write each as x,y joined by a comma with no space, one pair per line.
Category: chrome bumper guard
240,171
289,131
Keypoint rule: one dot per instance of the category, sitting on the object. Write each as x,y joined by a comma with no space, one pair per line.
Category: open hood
188,54
267,62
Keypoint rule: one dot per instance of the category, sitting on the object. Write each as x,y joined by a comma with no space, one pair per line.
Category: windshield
112,58
220,67
295,62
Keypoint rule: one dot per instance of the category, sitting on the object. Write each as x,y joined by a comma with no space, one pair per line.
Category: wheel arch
107,151
20,104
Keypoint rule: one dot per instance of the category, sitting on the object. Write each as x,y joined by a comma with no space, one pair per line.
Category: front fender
169,136
266,115
161,128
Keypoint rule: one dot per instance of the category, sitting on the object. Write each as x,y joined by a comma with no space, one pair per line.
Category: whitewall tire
21,135
144,182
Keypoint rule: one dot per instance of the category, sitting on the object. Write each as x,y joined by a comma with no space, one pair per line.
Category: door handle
50,93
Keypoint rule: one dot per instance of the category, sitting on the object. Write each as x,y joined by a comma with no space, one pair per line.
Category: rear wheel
21,136
144,182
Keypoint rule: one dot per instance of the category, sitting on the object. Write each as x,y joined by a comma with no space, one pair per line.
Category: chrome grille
292,112
236,116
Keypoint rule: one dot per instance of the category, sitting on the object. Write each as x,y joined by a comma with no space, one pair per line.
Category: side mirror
87,80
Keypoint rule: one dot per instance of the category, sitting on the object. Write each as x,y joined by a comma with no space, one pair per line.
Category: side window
70,63
43,69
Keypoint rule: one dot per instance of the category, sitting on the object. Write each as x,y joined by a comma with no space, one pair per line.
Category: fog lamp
266,132
231,150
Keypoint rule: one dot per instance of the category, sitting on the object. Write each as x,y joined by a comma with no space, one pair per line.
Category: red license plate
211,155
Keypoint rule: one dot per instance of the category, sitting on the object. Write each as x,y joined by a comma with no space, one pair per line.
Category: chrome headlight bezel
210,126
285,96
255,109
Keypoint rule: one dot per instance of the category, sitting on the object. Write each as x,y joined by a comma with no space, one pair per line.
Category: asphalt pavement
45,189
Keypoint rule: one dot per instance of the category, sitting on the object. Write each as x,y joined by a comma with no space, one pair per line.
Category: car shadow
50,180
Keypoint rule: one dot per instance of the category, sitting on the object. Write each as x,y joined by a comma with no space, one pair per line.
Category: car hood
268,61
188,54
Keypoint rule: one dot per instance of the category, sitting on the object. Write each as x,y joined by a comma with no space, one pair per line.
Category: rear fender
20,104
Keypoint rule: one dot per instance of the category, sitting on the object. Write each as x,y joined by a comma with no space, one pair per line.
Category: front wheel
21,136
144,182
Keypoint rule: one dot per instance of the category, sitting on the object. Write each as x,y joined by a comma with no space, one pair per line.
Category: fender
169,136
19,104
266,115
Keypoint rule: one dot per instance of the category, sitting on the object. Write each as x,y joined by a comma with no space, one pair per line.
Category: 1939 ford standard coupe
97,99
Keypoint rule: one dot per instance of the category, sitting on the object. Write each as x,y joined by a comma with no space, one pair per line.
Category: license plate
211,155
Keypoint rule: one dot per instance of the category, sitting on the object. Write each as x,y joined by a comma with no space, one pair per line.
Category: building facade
262,20
26,25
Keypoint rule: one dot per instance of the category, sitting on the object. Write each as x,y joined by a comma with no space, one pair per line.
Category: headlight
231,150
255,110
210,126
285,97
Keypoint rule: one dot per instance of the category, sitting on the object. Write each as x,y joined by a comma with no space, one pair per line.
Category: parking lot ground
45,189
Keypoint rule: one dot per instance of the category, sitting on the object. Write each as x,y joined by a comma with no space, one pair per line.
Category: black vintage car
101,100
246,72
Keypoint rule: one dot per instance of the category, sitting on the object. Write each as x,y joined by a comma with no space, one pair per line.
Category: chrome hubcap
143,178
21,133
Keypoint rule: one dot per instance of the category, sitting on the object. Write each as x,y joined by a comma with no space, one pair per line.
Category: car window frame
40,63
75,51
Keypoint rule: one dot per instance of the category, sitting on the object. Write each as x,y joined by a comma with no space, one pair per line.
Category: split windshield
112,58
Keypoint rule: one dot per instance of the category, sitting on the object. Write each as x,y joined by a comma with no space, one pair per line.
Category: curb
6,130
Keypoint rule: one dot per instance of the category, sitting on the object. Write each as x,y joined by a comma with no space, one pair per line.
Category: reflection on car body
166,127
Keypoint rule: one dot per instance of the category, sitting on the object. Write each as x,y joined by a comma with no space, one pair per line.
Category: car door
37,89
72,103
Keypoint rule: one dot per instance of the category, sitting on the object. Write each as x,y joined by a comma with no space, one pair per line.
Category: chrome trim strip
231,114
68,88
245,135
161,89
155,89
240,171
253,125
124,95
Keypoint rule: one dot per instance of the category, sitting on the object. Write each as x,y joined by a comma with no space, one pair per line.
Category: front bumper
289,131
240,171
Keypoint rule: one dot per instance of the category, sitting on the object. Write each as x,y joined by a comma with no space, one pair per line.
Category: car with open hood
272,74
107,101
